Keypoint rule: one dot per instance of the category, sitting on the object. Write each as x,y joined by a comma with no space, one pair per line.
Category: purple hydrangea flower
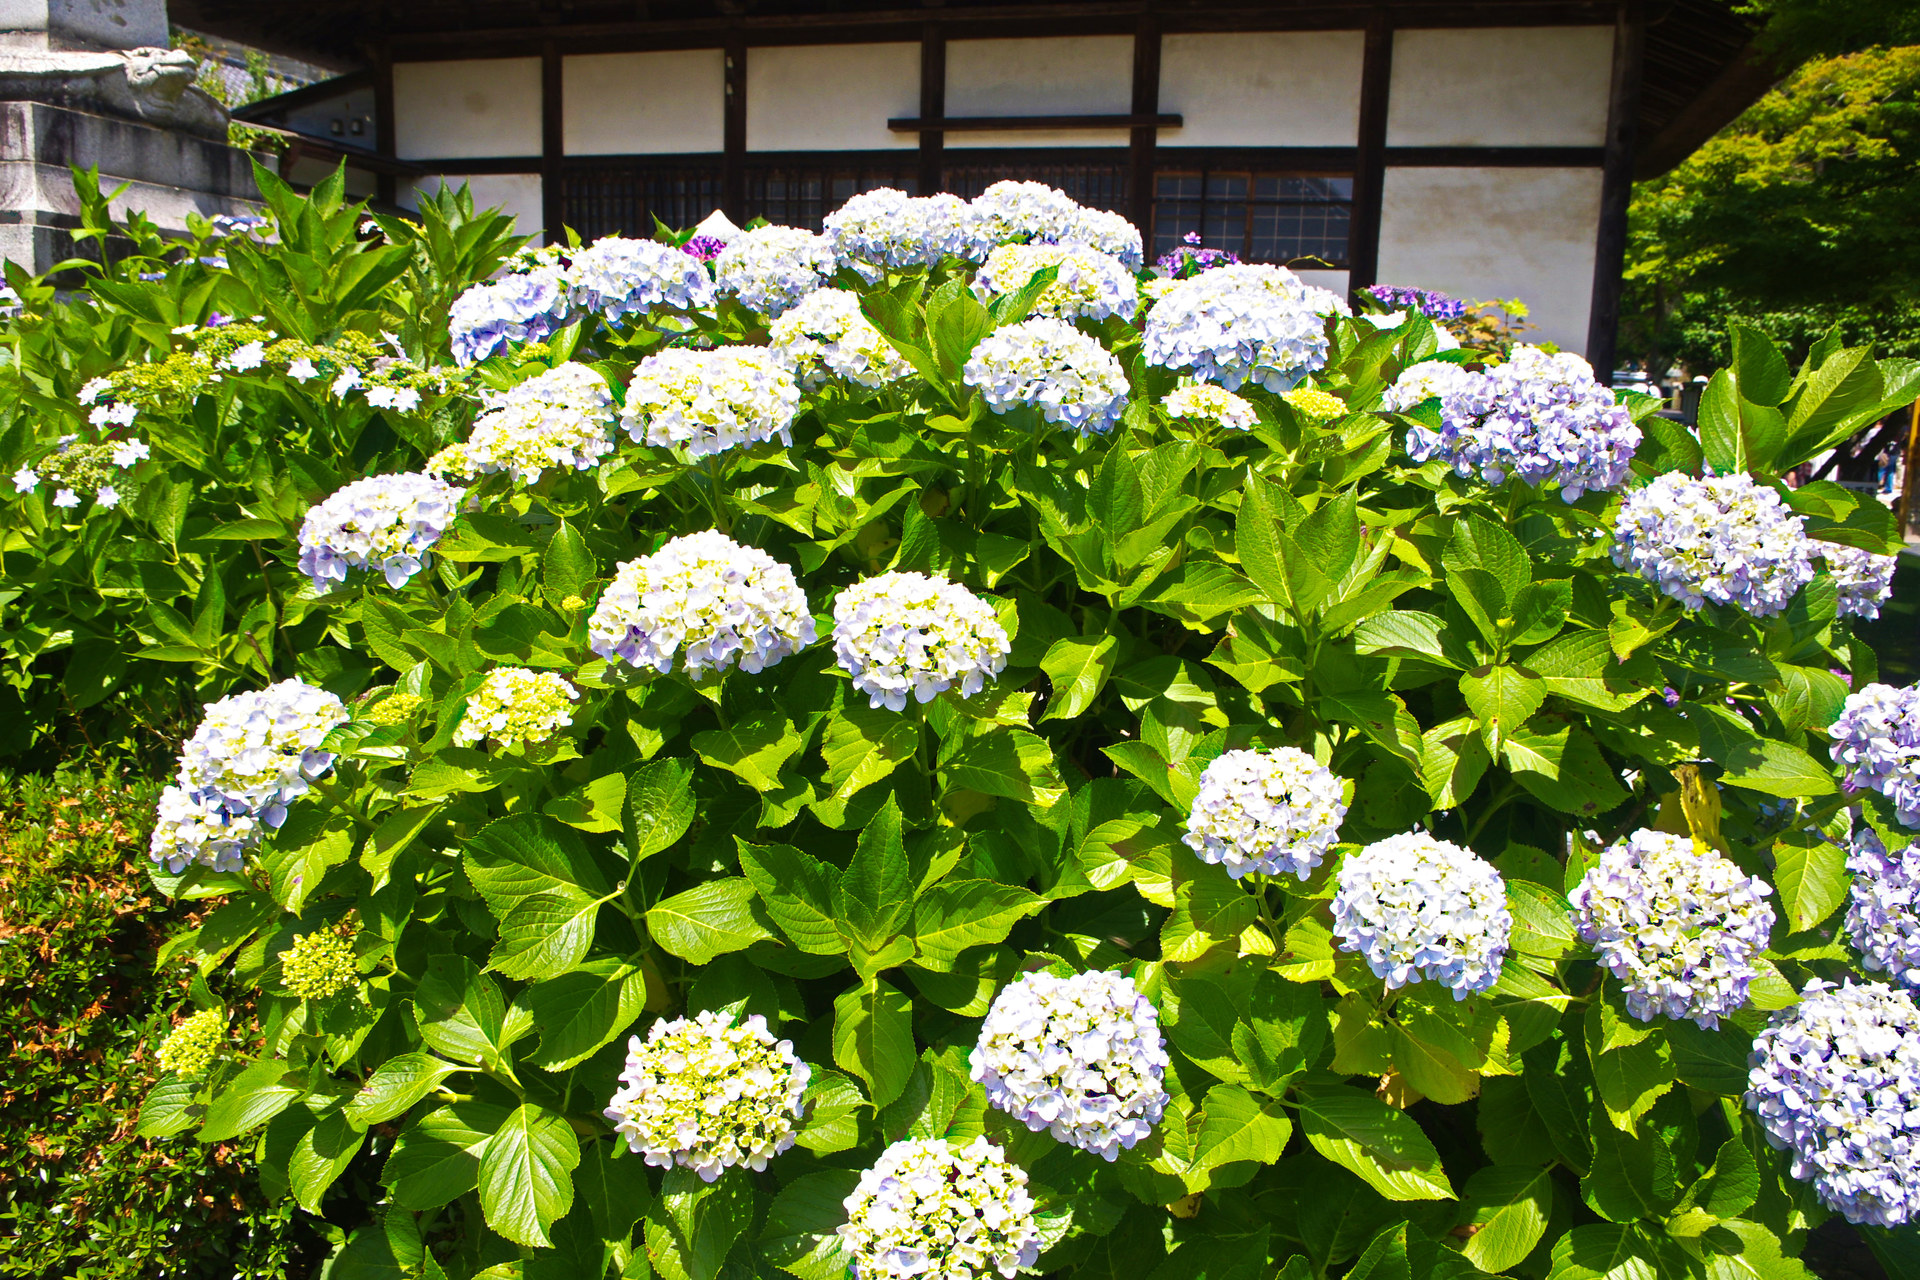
1877,738
490,317
1883,914
1430,303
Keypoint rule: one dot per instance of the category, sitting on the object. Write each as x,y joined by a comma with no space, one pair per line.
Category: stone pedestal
83,83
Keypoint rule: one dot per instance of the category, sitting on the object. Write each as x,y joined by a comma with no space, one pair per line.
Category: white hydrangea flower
931,1210
1240,324
1272,812
617,277
246,358
1080,1057
259,751
66,499
886,228
127,453
515,705
301,369
704,598
825,334
771,268
114,415
94,389
348,380
1204,402
562,418
25,480
1072,379
403,399
1833,1083
1110,234
1428,380
707,1095
1010,212
1724,539
1417,908
709,401
196,827
107,496
902,633
1089,283
389,523
1865,579
1679,926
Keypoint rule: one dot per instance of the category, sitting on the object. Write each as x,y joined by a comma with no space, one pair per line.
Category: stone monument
87,83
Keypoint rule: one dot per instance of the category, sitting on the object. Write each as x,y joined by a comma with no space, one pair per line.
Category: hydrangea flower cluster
1189,259
524,307
1430,303
1540,416
931,1210
1272,812
771,268
1833,1084
1865,579
707,402
1419,908
388,523
1883,909
1010,212
318,965
1105,231
192,1047
826,335
707,1094
394,707
1080,1057
1723,539
253,755
901,633
1088,283
707,599
1679,926
560,418
514,705
1877,737
1204,402
75,468
1072,379
885,228
1242,324
618,277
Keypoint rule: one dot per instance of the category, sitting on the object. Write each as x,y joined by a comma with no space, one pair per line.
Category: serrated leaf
707,920
800,1236
755,750
526,1169
436,1159
395,1086
659,806
1384,1146
544,936
514,858
797,889
251,1098
873,1038
956,914
1012,763
1507,1211
862,746
1078,668
1236,1126
578,1013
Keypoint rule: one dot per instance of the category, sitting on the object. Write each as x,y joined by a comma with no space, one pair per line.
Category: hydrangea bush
944,781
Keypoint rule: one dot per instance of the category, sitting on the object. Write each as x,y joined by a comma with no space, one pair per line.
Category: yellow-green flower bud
193,1045
1315,405
395,708
318,965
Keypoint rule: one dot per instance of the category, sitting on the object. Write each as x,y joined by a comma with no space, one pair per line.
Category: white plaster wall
831,97
1262,88
1334,280
668,102
469,108
516,193
1497,233
1049,76
1501,87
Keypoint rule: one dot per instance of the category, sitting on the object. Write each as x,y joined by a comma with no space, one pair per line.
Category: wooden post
733,172
1909,470
1370,162
385,128
933,105
1144,138
553,145
1616,190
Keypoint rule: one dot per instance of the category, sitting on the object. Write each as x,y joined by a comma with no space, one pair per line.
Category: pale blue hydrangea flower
909,633
388,523
1877,739
930,1209
707,402
770,269
1864,579
1679,926
706,600
1722,539
825,335
1010,212
1275,812
1540,416
1416,908
524,307
1833,1083
885,228
1883,911
1080,1057
707,1094
618,277
1242,324
1109,233
1072,379
194,827
560,418
1204,402
1088,285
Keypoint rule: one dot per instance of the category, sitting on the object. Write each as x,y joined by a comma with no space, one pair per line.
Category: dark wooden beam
553,147
384,127
1495,157
733,135
995,124
1370,158
1616,188
933,106
1145,136
1737,87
